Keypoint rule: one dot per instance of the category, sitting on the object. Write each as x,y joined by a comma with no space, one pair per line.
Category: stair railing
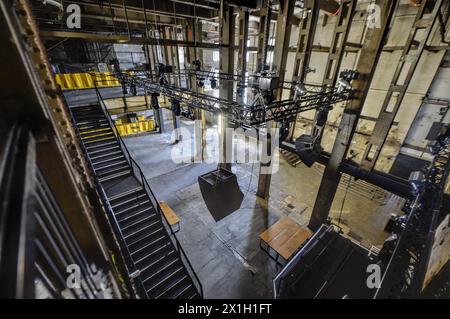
137,171
132,269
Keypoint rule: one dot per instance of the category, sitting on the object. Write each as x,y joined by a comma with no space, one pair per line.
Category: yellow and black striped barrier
79,81
126,127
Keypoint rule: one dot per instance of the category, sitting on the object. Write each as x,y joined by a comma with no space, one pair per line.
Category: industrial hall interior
225,149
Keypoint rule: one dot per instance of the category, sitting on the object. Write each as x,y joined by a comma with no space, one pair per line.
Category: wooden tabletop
285,237
171,217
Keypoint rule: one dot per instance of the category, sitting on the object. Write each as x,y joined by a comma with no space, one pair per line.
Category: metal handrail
107,205
147,189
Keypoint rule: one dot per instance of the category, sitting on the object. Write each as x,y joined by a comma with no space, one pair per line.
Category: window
216,56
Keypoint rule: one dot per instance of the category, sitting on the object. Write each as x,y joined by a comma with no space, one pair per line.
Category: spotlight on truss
213,83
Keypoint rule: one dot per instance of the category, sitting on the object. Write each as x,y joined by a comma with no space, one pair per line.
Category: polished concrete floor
226,254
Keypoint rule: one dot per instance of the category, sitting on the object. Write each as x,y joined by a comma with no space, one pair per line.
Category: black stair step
83,109
153,269
136,212
77,114
91,113
100,145
85,123
148,232
86,111
148,247
166,266
104,152
115,176
161,282
184,292
83,120
124,194
128,199
133,220
192,295
133,216
97,122
92,133
97,136
153,238
132,207
104,161
103,167
99,139
113,170
130,227
145,228
86,128
170,287
151,252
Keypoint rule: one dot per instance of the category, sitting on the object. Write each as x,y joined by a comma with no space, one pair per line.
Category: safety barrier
78,81
142,125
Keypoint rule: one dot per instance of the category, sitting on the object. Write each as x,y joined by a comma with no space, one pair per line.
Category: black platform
329,266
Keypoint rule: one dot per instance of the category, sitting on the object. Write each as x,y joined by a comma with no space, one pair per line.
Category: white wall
402,132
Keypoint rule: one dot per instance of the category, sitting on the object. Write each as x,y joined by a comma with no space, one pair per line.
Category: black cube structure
221,193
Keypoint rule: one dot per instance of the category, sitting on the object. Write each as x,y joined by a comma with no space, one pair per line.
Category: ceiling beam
111,38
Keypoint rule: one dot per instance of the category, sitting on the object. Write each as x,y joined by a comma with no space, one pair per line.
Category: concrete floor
226,255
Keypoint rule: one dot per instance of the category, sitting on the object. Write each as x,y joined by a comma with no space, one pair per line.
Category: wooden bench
285,237
171,217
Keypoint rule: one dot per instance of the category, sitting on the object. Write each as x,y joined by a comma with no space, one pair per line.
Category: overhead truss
246,115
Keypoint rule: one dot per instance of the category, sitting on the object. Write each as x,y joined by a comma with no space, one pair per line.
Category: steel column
242,45
200,119
263,39
336,53
175,56
406,67
305,42
370,54
227,29
283,35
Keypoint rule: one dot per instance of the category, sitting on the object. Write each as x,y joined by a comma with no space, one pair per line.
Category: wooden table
284,237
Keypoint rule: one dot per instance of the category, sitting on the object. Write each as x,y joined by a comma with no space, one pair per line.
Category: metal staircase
155,260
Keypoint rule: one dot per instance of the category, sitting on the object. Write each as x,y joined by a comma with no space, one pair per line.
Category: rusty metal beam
263,38
283,35
406,67
154,8
227,29
110,38
307,29
370,54
335,55
242,45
